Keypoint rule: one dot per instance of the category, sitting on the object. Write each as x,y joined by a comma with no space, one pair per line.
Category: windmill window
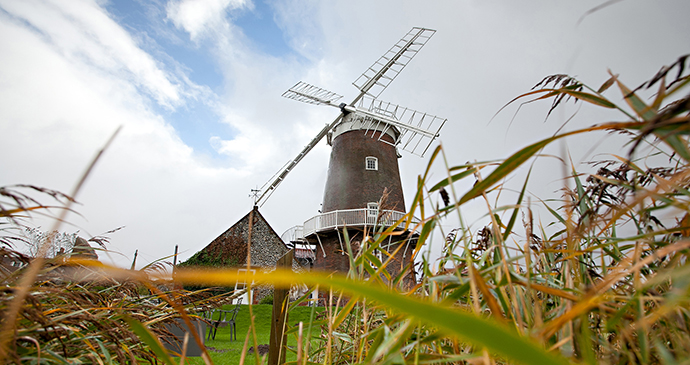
372,163
372,209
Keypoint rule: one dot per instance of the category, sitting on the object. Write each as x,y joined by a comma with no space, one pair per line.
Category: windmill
366,138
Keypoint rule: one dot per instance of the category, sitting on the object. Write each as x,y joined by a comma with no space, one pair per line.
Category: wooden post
175,283
175,257
134,261
249,239
276,352
248,284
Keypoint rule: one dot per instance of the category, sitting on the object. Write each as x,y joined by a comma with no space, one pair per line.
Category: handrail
351,218
339,218
294,233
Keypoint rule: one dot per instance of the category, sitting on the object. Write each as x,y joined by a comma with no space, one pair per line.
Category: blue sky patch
258,25
196,124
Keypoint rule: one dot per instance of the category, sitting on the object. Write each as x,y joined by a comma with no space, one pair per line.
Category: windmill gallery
363,192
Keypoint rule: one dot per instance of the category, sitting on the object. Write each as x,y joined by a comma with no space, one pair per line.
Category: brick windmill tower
363,188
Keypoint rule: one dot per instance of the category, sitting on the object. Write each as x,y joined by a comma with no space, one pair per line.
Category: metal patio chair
231,322
219,318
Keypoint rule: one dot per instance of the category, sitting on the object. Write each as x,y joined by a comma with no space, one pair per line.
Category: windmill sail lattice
414,130
417,130
311,94
377,77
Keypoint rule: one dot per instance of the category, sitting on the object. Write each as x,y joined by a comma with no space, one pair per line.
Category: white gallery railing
293,234
339,218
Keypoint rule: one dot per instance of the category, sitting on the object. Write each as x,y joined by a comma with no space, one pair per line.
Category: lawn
225,351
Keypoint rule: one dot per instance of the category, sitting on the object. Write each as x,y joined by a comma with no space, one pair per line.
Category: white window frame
242,284
371,159
373,209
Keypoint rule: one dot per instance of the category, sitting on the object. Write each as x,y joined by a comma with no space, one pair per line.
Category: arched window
371,163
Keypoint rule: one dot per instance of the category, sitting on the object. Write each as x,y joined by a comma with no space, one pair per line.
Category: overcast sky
197,84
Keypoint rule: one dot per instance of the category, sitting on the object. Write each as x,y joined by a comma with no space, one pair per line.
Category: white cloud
83,33
197,16
250,148
262,138
58,107
267,130
305,36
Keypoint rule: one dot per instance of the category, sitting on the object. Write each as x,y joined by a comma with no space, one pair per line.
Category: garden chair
231,322
216,318
219,318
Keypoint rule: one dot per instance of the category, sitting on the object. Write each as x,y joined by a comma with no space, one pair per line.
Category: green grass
223,350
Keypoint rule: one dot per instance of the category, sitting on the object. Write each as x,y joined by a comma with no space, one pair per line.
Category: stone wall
230,250
267,247
262,291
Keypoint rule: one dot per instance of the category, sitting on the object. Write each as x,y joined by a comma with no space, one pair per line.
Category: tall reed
604,281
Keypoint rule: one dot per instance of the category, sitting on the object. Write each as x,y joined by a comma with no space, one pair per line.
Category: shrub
266,300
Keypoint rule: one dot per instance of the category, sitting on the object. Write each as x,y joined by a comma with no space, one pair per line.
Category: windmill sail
311,94
270,186
377,77
417,130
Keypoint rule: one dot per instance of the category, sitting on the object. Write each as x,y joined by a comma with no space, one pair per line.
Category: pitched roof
230,247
